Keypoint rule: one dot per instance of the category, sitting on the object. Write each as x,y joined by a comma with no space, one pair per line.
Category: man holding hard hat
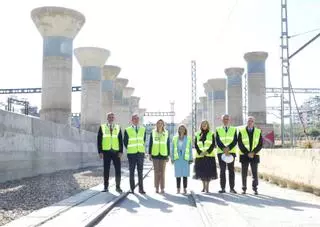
226,138
250,143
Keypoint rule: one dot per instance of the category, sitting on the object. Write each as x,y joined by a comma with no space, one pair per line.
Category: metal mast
245,95
285,71
194,96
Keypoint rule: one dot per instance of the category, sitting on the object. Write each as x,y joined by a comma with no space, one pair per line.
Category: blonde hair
156,127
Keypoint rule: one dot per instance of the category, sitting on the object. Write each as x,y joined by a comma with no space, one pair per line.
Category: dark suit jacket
245,151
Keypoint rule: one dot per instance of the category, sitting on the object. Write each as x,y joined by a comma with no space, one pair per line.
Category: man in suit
226,138
250,143
110,147
134,141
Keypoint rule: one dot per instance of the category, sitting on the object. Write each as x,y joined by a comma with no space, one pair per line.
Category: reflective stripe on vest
226,138
159,143
110,141
135,140
245,138
206,145
175,149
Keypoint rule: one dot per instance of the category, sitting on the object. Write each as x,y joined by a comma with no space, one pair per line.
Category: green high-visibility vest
205,146
135,140
159,143
110,141
245,139
226,138
175,148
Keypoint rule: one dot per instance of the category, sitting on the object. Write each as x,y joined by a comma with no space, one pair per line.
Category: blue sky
154,41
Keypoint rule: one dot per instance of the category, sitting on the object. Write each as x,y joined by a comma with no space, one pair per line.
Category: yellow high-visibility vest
135,140
159,143
175,148
245,139
226,138
110,141
205,146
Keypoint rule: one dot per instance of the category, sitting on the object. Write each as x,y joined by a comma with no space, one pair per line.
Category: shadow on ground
262,201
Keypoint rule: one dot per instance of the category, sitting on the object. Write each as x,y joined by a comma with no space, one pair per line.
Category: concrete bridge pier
118,86
91,60
235,105
58,27
134,104
110,72
257,85
218,87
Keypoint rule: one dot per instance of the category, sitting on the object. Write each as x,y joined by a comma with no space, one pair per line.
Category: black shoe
222,191
105,190
256,192
142,192
233,191
243,192
119,190
132,191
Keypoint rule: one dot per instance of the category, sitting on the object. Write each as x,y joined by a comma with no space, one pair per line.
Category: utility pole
287,89
245,95
285,72
194,96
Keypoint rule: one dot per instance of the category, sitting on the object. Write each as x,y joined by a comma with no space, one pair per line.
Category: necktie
136,129
226,128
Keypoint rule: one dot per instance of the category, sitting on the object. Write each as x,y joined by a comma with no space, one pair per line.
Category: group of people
224,144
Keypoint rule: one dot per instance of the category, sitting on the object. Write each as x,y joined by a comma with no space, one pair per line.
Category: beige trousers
159,166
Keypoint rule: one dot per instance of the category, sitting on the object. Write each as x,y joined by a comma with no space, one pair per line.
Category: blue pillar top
234,80
256,66
57,46
216,95
256,61
106,85
91,73
219,95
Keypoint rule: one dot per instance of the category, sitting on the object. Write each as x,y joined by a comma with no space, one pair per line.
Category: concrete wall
30,146
296,168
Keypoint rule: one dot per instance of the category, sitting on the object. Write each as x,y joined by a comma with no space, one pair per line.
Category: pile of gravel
21,197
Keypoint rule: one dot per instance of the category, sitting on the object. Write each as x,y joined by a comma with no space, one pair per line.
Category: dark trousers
223,167
107,157
244,173
136,160
185,182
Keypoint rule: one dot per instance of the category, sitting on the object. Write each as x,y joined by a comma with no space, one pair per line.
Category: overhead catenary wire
303,33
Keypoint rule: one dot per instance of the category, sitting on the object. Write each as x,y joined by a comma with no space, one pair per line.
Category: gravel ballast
21,197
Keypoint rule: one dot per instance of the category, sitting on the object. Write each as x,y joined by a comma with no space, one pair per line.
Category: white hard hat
227,159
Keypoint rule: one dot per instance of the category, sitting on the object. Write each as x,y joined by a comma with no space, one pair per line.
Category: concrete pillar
119,85
58,27
189,124
110,72
91,60
125,115
134,104
257,85
235,104
199,113
203,103
141,114
218,87
209,93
